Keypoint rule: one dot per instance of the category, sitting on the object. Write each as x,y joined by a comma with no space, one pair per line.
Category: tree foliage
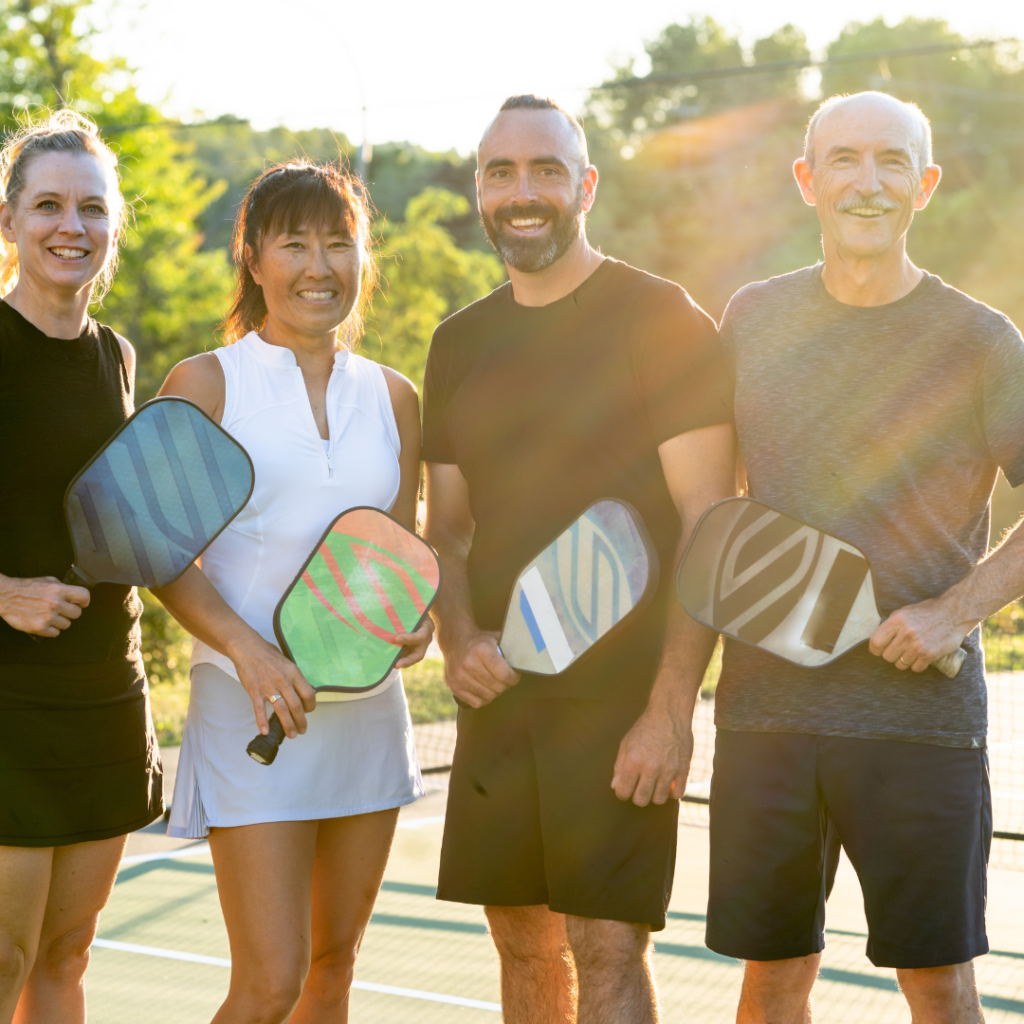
426,277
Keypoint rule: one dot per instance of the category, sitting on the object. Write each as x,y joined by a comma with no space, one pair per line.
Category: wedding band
274,698
902,662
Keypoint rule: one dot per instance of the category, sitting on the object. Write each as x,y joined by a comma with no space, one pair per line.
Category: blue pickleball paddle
155,496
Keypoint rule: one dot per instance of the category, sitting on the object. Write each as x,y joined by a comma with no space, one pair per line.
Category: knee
272,998
15,964
66,957
780,982
527,934
941,993
607,946
331,974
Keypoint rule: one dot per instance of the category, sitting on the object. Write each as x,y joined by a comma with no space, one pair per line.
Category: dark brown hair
291,197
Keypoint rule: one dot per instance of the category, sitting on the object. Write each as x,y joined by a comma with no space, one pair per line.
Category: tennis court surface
162,952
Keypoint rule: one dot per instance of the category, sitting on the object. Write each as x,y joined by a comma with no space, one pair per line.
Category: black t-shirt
548,409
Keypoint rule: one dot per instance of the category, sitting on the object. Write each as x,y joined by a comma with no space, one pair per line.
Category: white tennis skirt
354,758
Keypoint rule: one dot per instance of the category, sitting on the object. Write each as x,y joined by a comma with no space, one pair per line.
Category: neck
869,280
56,312
562,278
314,353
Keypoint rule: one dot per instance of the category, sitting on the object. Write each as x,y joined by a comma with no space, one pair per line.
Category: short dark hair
531,101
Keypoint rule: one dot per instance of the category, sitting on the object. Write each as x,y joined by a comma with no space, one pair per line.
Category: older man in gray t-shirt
877,403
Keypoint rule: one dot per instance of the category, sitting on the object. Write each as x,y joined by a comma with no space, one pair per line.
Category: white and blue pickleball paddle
579,588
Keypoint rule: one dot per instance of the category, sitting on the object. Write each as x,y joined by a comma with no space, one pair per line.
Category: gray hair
60,131
924,154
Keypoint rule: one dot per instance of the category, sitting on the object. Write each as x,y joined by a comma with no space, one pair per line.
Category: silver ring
274,698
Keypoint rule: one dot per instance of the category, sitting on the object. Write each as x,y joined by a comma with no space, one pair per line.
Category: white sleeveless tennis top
302,483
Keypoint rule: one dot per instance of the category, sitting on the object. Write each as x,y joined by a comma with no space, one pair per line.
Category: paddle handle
264,748
74,577
950,664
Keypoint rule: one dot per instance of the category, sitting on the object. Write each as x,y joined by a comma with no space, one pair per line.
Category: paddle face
578,588
155,496
769,580
368,579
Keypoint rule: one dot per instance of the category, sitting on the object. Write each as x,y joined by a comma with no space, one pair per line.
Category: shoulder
127,353
468,320
404,396
958,311
763,296
654,301
200,379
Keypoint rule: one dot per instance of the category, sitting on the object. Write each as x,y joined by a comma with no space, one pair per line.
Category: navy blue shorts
914,819
532,818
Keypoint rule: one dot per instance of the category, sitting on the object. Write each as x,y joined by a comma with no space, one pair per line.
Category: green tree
425,278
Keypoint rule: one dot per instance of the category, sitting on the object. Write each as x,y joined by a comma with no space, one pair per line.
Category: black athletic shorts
532,818
915,821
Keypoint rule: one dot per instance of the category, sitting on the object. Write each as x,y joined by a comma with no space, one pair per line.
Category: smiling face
533,187
866,180
64,221
310,279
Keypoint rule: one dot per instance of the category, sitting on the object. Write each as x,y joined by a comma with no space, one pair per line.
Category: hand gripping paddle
154,497
759,576
367,579
582,585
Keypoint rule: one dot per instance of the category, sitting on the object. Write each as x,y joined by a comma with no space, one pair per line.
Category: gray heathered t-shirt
884,426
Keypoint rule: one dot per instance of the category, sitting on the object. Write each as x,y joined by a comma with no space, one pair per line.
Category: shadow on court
163,952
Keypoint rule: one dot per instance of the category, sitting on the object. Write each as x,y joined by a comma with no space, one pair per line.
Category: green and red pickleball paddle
368,579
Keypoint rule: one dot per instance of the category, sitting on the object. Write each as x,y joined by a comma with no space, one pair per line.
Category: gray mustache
879,203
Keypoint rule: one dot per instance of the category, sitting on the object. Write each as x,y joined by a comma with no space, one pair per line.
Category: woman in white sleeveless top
299,847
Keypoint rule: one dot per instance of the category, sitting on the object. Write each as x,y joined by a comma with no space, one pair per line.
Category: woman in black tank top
79,767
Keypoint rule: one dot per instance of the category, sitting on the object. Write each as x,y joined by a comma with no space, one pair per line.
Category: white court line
365,986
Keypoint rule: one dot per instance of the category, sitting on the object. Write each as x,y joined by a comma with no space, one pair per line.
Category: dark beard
530,255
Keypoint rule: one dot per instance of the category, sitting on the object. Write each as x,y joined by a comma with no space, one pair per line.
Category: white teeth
860,211
316,295
68,254
526,222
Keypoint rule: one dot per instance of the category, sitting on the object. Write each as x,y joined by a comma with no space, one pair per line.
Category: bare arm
654,756
475,671
262,669
917,635
406,404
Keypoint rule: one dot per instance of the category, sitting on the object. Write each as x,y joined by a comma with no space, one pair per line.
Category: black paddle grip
264,748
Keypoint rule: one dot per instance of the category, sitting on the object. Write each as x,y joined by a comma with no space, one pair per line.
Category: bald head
880,107
560,121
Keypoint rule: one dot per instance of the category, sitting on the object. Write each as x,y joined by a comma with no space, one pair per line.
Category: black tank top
59,402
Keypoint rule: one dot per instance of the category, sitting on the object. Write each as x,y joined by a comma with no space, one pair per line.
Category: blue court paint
531,622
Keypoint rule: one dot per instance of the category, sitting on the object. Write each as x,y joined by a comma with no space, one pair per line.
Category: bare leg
538,975
264,879
778,991
942,995
351,854
81,880
24,884
615,981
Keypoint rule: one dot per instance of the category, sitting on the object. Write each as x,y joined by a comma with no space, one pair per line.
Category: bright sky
434,71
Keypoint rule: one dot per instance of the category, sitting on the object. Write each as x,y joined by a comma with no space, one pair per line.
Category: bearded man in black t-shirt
579,379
